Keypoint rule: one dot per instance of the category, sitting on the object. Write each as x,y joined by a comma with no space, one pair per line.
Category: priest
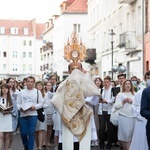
75,114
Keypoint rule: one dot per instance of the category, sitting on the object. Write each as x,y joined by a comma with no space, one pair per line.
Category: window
76,28
30,68
4,54
30,43
30,55
139,19
4,66
128,22
14,30
24,42
133,21
147,65
15,53
24,68
14,67
25,31
5,42
41,57
2,30
24,55
40,68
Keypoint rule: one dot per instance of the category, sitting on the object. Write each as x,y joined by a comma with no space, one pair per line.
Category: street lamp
112,42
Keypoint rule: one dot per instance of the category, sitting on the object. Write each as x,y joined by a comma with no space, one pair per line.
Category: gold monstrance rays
75,50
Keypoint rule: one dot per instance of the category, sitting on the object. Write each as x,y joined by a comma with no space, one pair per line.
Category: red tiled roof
39,30
21,24
78,6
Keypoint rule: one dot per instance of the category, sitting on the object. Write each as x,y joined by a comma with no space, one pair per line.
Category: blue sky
42,10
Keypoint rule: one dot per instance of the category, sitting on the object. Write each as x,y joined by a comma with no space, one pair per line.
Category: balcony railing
126,1
128,40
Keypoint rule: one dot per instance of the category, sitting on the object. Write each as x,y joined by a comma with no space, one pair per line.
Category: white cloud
42,10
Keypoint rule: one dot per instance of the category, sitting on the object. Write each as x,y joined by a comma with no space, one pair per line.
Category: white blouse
126,109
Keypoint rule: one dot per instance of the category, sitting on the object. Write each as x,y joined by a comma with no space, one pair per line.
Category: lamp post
112,47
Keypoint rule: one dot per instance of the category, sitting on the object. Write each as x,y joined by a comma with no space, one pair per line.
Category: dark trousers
107,129
148,133
76,146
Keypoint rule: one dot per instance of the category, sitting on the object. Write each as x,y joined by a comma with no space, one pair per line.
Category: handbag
40,112
114,117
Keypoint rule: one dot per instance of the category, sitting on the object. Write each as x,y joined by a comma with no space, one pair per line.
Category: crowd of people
19,105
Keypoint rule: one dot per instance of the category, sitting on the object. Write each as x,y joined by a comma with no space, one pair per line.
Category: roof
78,6
39,30
21,24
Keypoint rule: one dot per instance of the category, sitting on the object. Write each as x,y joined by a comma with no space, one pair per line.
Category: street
17,144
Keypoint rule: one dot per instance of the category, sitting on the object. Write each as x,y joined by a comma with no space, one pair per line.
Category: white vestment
139,140
76,115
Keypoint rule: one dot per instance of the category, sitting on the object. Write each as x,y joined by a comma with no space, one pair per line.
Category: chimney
34,26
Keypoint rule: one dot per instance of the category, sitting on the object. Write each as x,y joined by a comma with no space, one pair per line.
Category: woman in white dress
41,127
8,117
49,112
126,117
13,92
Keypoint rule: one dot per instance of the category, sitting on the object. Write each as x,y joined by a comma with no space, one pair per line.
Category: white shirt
108,96
126,109
50,108
29,96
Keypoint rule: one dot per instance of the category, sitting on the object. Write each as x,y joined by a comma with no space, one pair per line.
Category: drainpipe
143,33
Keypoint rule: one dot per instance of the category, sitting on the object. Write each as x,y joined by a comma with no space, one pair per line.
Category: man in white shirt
27,105
104,112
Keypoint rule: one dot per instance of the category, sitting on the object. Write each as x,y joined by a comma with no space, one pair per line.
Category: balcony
90,56
49,45
126,1
128,41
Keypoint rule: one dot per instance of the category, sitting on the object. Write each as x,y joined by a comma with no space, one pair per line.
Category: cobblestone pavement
17,144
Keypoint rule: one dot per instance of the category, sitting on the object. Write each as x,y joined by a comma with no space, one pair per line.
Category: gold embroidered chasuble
69,100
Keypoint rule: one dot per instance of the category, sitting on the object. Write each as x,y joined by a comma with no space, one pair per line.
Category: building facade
146,6
124,48
72,18
20,41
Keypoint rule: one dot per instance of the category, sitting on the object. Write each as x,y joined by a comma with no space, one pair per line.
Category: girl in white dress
41,127
126,118
8,117
49,112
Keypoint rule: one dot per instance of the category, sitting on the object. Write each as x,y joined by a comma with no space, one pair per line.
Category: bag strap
37,96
